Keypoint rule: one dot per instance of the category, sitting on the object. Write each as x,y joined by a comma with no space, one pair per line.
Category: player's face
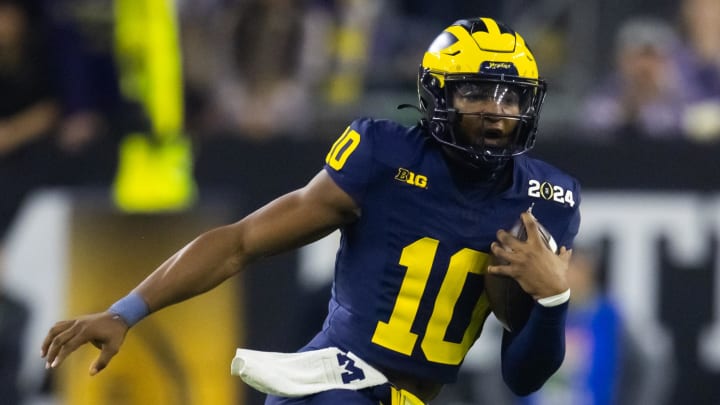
485,109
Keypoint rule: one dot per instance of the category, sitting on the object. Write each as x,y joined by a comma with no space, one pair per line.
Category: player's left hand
104,330
538,270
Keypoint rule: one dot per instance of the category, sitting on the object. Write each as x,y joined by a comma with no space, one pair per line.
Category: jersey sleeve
350,161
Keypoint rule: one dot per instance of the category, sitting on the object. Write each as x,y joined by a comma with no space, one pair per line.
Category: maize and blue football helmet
480,58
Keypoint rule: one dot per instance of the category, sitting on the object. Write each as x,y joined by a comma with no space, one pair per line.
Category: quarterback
421,210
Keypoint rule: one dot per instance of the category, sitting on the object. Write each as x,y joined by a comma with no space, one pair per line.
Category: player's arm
532,354
290,221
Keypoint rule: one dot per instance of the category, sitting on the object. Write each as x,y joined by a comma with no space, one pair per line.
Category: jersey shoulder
554,194
367,147
391,141
531,168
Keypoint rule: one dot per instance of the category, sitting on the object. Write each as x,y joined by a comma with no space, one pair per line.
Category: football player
421,210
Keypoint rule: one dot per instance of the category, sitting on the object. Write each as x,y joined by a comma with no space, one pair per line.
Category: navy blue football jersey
408,287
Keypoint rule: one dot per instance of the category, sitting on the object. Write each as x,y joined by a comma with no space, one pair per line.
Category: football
510,304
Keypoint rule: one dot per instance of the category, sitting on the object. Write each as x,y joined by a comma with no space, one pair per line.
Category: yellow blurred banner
154,175
180,355
154,169
149,59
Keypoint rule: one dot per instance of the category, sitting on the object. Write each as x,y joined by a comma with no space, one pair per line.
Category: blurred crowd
289,68
260,69
264,69
665,78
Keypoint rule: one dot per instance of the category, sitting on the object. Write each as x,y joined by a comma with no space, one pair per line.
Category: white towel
305,373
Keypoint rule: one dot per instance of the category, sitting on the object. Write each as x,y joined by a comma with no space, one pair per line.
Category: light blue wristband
131,308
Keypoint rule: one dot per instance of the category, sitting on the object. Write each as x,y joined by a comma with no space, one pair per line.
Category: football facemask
489,118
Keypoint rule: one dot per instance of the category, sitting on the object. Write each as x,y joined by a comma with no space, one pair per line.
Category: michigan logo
406,176
352,372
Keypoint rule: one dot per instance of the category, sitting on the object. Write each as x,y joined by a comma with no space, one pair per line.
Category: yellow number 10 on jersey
395,334
342,148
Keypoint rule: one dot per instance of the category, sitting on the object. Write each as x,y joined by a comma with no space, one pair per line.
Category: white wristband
555,300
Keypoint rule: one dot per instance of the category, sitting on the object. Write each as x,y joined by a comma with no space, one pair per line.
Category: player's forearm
532,355
294,219
201,265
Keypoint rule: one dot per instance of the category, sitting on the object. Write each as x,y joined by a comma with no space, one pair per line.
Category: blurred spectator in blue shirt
596,343
603,363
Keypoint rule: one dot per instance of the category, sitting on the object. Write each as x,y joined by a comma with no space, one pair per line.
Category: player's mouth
493,137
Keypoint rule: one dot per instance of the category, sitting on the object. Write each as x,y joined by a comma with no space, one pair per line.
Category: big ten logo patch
406,176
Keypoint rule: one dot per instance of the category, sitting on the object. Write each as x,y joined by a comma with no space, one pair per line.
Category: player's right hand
531,261
104,330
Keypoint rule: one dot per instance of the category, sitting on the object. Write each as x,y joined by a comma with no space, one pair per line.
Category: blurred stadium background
160,119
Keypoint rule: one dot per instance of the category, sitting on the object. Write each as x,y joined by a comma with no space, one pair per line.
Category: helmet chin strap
478,167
